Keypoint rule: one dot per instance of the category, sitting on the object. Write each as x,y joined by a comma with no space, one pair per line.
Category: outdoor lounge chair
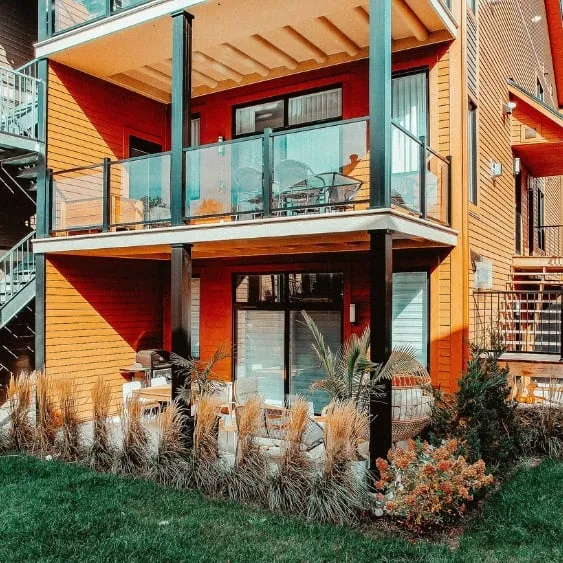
247,183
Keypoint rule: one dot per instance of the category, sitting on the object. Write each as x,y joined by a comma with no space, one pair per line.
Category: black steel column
381,311
40,263
181,110
180,293
380,102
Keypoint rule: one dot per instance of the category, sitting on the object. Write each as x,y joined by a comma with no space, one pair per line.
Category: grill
156,363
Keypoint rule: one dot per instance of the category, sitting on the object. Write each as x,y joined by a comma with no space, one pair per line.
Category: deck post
381,241
40,279
181,322
380,103
181,111
381,309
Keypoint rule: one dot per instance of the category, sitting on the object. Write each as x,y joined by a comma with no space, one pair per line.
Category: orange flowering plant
425,486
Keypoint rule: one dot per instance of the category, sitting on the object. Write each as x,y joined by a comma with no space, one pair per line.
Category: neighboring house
214,177
19,107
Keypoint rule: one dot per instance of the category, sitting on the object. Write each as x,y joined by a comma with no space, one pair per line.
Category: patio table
159,393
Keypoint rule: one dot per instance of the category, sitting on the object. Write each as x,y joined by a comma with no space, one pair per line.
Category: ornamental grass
70,443
20,436
102,451
48,417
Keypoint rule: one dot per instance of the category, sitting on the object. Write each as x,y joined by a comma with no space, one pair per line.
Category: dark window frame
285,306
285,98
472,153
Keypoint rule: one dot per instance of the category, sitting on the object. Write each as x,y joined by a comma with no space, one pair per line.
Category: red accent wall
89,119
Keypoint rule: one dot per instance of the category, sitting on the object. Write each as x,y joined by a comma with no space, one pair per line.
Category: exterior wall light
508,108
353,314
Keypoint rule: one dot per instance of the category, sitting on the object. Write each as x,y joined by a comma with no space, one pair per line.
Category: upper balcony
21,99
129,42
307,173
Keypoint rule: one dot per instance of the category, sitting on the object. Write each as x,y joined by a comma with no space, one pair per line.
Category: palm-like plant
351,375
198,376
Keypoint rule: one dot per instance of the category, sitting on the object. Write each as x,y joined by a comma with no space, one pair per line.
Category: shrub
134,454
48,419
171,465
101,452
291,483
481,415
541,426
337,494
21,431
425,487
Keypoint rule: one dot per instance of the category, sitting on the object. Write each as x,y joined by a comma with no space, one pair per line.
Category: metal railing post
449,208
267,172
49,202
106,195
561,326
423,177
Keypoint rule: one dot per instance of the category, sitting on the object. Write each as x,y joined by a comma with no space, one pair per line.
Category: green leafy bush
480,415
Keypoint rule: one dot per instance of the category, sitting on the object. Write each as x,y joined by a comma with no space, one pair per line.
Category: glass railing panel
19,103
405,170
140,191
124,4
72,13
77,199
322,169
437,187
224,181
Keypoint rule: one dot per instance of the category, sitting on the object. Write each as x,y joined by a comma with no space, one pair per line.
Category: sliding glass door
274,353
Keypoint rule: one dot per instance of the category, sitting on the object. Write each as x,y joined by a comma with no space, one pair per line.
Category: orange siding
99,312
89,119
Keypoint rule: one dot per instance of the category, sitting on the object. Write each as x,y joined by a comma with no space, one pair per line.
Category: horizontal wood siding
89,119
511,46
99,312
18,32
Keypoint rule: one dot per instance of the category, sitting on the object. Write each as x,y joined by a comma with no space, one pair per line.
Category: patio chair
298,184
243,388
127,391
247,182
342,190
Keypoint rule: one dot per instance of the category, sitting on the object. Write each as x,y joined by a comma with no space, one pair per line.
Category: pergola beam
288,62
338,35
312,50
217,66
412,21
247,60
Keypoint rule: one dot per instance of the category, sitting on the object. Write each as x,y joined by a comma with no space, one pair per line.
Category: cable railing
19,103
525,321
17,269
319,169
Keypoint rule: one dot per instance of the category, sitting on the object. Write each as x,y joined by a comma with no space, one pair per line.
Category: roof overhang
537,133
133,49
555,26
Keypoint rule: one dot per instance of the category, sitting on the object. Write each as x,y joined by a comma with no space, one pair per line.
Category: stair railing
17,269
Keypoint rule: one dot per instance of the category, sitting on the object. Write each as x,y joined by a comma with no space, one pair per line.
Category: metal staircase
20,153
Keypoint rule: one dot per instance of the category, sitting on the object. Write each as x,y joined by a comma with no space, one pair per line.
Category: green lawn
57,512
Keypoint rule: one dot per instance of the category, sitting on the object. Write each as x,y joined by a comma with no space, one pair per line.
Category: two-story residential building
219,167
19,150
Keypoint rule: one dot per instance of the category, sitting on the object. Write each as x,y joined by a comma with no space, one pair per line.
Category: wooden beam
361,12
337,34
412,21
312,50
218,66
207,80
247,60
288,61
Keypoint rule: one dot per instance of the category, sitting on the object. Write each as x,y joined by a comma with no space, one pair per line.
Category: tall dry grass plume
21,430
171,466
291,483
345,427
249,420
293,456
134,454
206,434
70,444
101,451
48,418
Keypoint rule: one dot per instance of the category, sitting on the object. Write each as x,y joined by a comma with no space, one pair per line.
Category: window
289,111
472,5
410,312
273,345
410,111
472,163
145,175
540,220
193,162
539,91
